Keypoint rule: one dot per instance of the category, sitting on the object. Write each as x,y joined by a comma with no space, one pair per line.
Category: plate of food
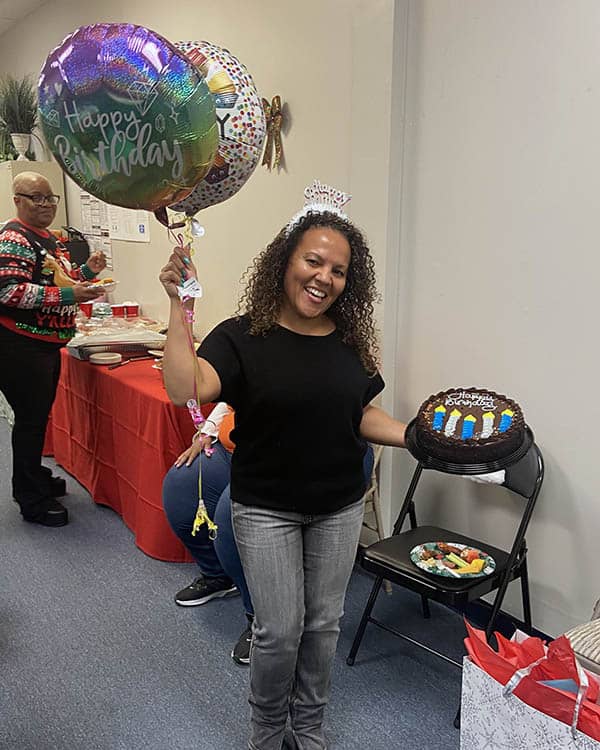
107,284
452,560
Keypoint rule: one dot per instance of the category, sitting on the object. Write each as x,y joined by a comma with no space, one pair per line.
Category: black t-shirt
298,404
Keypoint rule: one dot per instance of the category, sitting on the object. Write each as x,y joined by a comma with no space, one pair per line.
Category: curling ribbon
274,117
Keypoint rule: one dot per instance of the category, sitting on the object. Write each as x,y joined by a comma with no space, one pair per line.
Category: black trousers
29,372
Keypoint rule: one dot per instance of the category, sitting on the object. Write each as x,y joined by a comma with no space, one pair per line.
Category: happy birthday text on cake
464,398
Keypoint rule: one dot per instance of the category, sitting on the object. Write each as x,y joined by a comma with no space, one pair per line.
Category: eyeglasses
40,200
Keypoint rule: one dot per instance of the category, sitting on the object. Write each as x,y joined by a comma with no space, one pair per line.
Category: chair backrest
526,476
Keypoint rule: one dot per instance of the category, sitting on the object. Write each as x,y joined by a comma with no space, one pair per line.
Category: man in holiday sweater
39,293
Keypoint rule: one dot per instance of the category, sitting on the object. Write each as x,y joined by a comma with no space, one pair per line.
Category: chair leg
412,514
364,620
525,595
456,721
425,607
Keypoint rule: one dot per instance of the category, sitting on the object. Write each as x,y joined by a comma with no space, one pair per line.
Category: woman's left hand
96,262
199,444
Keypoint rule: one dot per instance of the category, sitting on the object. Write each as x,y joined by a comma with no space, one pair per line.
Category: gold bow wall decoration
274,116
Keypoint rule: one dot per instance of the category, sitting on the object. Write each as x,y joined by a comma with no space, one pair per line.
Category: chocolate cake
469,426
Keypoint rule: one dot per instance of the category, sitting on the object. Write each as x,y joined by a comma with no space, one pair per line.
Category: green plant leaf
18,104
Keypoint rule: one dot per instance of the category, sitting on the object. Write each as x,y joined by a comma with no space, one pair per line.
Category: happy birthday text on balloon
127,128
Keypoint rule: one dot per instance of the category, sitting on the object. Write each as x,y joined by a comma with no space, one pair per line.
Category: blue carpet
95,655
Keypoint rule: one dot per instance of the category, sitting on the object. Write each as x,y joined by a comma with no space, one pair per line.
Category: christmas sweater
36,278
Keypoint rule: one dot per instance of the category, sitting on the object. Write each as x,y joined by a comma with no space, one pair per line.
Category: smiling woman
303,344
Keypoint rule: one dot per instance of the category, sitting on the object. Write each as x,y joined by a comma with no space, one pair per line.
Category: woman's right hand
198,445
178,268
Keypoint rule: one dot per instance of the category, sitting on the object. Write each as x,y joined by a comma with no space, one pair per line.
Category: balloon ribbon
194,409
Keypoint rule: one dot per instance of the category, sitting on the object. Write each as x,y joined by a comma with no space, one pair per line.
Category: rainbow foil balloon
127,116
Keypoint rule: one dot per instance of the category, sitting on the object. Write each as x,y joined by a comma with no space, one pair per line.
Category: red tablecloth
118,434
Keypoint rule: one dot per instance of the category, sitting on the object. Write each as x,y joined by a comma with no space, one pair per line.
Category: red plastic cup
132,311
86,308
118,311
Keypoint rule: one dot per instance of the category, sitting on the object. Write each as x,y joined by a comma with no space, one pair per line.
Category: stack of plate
105,358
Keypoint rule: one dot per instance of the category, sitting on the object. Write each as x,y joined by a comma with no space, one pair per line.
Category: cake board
429,462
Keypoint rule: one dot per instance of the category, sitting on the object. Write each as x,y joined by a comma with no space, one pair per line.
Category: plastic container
118,311
132,309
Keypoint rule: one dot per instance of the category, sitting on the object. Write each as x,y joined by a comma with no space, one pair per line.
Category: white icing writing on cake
465,398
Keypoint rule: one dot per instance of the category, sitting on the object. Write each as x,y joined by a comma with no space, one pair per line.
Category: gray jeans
297,568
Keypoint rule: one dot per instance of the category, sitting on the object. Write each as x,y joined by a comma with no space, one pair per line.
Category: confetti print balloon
241,123
127,116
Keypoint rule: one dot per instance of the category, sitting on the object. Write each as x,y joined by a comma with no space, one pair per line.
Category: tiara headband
319,198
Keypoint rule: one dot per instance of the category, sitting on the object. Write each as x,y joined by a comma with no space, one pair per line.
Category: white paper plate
105,358
108,286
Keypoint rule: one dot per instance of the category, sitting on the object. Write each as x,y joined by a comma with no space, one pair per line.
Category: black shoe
203,589
241,650
48,512
57,487
53,486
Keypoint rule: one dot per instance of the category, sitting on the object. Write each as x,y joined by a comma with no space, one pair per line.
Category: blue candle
438,419
468,427
505,420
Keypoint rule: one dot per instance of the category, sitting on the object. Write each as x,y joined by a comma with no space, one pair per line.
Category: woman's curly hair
353,310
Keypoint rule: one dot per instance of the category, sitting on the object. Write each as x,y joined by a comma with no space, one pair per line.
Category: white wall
498,261
317,55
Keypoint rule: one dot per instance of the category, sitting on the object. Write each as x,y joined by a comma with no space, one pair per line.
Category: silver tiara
319,198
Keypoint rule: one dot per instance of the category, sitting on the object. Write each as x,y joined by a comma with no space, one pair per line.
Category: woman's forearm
378,427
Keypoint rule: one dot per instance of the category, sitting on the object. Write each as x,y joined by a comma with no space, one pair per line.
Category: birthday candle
455,415
488,424
468,427
438,419
505,420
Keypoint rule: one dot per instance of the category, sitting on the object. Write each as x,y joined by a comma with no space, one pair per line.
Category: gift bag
526,664
490,719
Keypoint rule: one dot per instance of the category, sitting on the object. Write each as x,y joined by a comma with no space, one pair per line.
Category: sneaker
202,590
241,650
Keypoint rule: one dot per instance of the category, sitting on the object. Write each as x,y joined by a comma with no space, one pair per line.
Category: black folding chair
389,559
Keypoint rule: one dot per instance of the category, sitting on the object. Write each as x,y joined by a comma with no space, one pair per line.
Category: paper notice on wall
94,216
95,225
129,224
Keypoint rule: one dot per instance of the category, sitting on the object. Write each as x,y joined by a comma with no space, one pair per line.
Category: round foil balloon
127,116
241,123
